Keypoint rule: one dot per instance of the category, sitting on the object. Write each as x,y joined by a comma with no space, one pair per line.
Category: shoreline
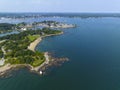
33,45
7,67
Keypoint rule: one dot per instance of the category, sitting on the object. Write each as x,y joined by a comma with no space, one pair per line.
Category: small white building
41,72
23,29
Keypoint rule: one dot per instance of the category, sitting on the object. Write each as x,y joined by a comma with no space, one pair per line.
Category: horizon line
68,12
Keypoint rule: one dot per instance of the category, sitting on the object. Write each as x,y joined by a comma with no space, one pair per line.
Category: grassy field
37,62
33,37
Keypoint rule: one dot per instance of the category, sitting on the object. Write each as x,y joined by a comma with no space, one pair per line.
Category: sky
60,6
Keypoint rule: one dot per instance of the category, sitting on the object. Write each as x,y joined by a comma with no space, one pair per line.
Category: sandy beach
34,44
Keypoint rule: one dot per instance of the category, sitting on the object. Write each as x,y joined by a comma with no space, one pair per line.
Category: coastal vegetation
6,27
1,54
16,47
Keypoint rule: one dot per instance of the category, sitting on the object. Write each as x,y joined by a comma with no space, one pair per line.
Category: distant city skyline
76,6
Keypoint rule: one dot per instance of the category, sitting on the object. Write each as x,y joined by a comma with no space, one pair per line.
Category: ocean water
9,33
93,48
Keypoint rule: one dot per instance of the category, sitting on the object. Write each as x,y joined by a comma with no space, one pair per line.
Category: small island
19,50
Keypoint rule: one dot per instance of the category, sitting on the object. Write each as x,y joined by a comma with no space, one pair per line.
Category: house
23,29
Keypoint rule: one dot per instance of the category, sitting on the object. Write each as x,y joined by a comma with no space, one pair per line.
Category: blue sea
93,49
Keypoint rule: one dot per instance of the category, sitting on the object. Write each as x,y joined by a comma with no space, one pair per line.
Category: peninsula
19,50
